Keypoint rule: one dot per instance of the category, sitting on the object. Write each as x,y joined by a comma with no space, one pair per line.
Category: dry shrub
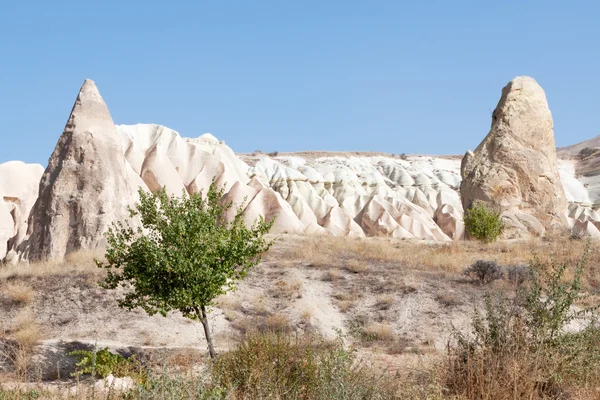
448,298
356,266
282,366
345,305
24,335
331,275
287,290
18,292
277,323
378,331
384,301
306,315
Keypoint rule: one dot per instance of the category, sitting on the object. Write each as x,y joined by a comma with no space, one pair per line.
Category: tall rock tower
84,188
514,168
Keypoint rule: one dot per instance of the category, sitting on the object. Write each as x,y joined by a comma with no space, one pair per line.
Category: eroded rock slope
96,169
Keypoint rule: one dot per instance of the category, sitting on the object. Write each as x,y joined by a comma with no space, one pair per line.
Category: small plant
101,363
484,271
483,222
273,154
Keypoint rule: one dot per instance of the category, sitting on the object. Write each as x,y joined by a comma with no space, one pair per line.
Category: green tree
183,254
483,222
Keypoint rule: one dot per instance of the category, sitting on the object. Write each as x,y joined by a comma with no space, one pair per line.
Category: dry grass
378,331
230,315
277,323
18,292
260,305
26,330
331,275
356,266
23,337
345,305
448,298
359,255
306,315
288,290
384,301
81,261
228,302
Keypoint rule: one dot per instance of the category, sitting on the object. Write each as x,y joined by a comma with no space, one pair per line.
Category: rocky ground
398,301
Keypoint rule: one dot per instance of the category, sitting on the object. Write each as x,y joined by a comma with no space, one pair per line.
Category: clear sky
393,76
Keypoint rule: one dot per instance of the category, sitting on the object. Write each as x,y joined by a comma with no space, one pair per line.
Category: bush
517,274
483,222
484,271
520,347
103,363
588,151
279,365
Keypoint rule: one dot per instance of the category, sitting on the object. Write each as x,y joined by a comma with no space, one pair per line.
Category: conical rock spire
84,188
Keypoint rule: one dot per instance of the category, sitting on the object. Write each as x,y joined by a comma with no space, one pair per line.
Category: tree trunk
211,349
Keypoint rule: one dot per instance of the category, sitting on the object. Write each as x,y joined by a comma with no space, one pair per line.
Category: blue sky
392,76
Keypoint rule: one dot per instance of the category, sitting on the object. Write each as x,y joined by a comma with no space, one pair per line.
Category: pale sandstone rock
515,166
84,187
350,195
450,221
19,184
258,200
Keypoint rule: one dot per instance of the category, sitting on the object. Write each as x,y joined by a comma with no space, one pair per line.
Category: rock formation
97,168
18,191
84,187
515,166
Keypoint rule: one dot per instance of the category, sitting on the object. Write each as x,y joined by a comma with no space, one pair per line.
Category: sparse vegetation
384,301
588,151
521,347
19,292
184,257
102,363
411,280
378,331
279,366
287,289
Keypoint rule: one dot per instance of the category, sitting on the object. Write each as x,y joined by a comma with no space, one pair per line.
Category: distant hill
575,149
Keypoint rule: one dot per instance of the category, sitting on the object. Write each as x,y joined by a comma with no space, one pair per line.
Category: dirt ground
397,301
